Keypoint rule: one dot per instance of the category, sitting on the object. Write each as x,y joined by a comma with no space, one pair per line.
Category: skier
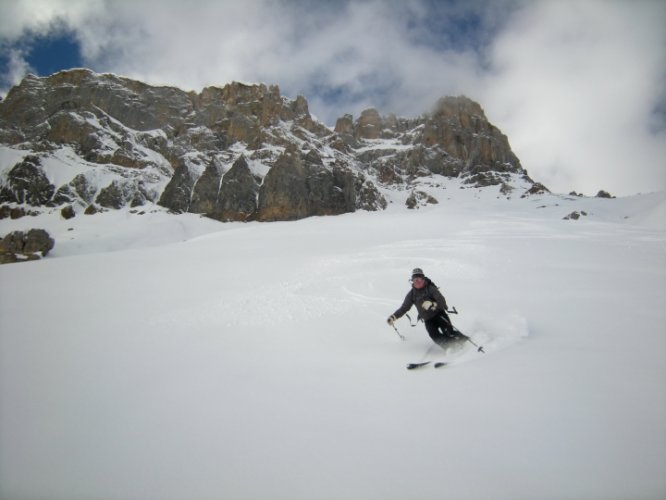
431,306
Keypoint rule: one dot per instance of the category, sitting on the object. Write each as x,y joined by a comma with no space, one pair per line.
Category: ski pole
479,347
396,331
458,333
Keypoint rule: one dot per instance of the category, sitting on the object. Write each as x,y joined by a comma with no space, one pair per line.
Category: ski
413,366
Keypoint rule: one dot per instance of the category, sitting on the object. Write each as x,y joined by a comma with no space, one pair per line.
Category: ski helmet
418,273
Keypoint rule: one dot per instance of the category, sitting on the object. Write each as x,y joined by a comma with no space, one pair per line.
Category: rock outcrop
27,183
454,140
237,198
604,194
239,152
299,186
575,215
21,246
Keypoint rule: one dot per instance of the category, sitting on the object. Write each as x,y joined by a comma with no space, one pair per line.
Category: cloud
26,23
578,87
350,54
16,67
347,55
19,16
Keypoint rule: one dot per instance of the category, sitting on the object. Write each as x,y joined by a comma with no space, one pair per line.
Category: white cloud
19,16
575,85
23,21
17,67
31,18
572,84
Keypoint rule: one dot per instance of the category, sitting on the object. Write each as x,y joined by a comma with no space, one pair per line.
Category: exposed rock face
228,197
239,152
9,212
27,183
459,126
298,186
604,194
204,195
19,246
369,125
113,196
177,194
67,212
79,188
237,198
536,189
368,196
575,215
455,139
345,125
418,199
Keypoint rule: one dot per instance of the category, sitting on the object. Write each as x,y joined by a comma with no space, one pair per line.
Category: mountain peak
112,141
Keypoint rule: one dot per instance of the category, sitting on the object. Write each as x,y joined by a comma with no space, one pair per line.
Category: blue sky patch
49,55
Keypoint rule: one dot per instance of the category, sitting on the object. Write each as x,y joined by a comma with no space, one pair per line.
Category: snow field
170,357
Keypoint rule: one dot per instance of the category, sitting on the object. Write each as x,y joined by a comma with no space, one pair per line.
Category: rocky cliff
240,152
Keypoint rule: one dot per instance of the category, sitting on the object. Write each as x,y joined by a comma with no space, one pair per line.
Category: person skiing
431,306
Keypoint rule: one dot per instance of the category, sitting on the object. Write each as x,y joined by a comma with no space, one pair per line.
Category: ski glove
429,306
391,319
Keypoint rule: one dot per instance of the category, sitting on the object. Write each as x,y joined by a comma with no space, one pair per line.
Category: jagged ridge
239,152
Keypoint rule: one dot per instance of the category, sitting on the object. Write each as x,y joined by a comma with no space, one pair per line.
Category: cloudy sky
579,86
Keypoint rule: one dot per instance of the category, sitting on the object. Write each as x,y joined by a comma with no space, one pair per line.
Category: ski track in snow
169,357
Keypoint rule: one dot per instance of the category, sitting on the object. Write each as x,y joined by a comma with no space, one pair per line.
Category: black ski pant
441,331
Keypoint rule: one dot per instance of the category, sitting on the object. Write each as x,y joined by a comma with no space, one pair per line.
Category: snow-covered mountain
90,141
161,355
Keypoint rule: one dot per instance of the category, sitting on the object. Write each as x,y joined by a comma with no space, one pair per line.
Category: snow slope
170,357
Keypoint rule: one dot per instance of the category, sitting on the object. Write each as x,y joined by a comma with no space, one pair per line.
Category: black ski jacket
418,296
